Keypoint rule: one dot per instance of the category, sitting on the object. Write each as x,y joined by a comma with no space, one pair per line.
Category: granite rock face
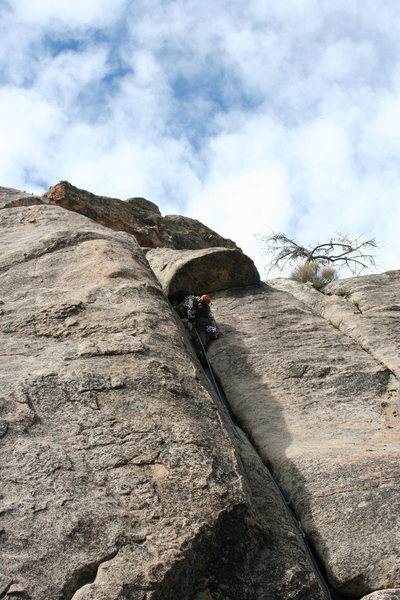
375,322
321,411
201,271
365,308
139,217
122,477
384,595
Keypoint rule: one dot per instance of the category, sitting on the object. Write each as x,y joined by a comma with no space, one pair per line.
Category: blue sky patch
56,46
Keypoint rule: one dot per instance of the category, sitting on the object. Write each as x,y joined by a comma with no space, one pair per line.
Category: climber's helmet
205,299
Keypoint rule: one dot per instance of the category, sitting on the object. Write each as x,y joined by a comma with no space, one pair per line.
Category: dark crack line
84,575
3,594
315,561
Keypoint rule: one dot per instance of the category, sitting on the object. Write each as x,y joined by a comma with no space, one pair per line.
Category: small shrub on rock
342,292
315,273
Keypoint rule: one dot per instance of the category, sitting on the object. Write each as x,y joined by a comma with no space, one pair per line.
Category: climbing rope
243,437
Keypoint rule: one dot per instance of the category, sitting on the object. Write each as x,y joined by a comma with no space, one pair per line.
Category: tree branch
340,250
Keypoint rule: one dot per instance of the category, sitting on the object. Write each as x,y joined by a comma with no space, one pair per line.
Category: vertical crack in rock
315,561
5,584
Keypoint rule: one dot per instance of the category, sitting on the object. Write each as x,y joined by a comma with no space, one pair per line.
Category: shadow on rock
308,398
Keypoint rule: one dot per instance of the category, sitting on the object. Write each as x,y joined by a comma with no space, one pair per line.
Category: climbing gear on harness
197,310
213,331
189,304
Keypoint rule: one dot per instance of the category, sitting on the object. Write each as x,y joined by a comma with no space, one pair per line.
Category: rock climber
196,309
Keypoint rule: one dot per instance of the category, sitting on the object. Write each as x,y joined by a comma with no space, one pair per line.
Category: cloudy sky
252,117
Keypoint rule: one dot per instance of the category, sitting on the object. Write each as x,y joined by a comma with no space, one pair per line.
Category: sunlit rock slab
319,409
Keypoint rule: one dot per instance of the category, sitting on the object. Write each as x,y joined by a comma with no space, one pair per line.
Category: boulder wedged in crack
119,474
201,271
314,403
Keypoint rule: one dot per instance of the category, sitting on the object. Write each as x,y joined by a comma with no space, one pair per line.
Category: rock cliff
129,473
139,217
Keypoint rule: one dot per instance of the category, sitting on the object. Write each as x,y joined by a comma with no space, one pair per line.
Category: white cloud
28,123
243,204
251,118
381,135
64,76
246,191
127,169
85,12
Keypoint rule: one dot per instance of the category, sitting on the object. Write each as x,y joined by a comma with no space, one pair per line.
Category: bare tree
339,251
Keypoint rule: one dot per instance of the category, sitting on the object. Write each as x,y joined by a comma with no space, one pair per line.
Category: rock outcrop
125,476
10,198
122,475
139,217
201,271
